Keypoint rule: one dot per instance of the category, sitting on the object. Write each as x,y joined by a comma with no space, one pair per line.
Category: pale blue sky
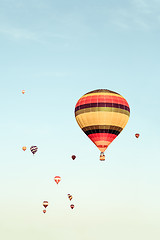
57,51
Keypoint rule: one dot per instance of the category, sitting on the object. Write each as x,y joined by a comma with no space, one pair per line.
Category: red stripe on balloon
102,137
103,99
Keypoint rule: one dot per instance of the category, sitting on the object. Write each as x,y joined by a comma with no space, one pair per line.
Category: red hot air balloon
23,91
45,204
73,157
72,206
44,211
57,179
137,135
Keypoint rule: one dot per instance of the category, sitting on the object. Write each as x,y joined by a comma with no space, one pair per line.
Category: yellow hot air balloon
102,114
24,148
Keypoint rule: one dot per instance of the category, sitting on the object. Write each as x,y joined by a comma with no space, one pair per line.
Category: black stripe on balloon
100,104
102,131
102,127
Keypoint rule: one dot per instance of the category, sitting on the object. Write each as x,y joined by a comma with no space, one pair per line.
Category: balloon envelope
70,197
72,206
45,204
23,91
24,148
102,114
33,149
73,157
137,135
44,211
57,179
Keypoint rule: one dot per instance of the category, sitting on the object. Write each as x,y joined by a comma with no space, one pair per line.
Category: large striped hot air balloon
102,114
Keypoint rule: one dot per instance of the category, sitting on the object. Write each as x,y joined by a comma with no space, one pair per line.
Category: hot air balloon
72,206
44,210
73,157
45,204
24,148
57,179
33,149
102,114
70,197
137,135
23,91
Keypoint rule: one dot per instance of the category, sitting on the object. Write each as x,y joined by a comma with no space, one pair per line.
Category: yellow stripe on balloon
102,118
102,109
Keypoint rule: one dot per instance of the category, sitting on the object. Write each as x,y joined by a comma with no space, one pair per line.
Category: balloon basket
102,157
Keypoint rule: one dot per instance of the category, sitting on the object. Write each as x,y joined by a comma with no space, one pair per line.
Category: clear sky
57,51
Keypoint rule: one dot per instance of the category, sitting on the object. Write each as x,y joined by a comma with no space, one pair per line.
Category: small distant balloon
70,197
45,204
44,211
57,179
137,135
72,206
24,148
23,91
33,149
73,157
